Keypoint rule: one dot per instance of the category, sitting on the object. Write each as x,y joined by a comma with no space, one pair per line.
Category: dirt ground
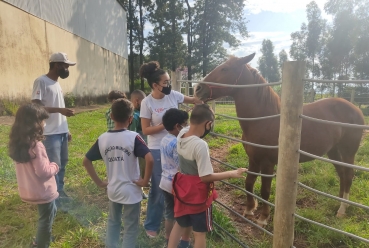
9,120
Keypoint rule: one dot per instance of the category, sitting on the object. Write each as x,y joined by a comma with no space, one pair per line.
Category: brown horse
339,143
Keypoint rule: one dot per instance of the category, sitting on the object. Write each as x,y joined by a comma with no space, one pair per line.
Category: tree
313,37
283,57
216,23
268,63
166,43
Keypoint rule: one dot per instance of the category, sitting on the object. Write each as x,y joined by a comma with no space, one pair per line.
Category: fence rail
284,236
334,197
341,124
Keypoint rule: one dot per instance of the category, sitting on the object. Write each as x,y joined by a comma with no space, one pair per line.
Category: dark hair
139,93
174,116
26,131
152,72
121,110
115,94
201,113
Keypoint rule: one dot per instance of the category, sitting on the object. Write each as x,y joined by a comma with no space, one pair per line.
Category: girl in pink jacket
35,173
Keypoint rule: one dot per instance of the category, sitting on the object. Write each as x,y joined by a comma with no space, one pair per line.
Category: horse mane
265,94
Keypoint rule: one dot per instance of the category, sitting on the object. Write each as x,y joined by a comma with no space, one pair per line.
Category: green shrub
69,100
9,107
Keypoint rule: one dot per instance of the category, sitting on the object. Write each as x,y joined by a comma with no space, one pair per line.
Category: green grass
316,174
84,226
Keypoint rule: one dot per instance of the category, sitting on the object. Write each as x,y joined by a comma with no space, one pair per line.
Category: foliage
283,57
8,107
337,49
268,62
69,100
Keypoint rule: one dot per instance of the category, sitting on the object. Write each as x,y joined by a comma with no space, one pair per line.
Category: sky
268,19
274,20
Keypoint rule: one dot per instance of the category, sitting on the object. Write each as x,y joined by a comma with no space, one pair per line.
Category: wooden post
352,99
187,90
213,107
175,76
288,157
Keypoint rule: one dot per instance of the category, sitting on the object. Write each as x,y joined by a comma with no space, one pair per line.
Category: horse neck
256,102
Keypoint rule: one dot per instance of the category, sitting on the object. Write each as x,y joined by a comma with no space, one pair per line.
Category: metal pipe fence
299,151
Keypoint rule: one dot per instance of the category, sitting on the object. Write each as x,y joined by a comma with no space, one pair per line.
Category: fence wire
235,168
245,219
341,124
332,229
333,197
230,85
230,235
249,119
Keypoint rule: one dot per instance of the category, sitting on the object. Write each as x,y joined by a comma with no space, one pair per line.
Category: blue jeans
46,214
57,150
131,220
155,204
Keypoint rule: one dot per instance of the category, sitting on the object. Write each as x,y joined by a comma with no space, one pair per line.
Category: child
193,186
173,120
136,98
112,96
119,148
35,173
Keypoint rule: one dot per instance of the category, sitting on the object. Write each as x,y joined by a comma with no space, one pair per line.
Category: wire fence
348,125
186,89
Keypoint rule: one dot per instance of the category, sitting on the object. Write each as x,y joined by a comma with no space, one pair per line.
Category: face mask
166,90
206,132
63,73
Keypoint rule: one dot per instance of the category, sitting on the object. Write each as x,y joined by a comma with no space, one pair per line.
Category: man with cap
47,92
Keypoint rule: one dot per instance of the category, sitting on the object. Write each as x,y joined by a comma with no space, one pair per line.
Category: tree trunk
204,41
131,57
189,46
141,42
174,31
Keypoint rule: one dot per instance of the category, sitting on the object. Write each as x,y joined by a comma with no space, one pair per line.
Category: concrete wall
26,43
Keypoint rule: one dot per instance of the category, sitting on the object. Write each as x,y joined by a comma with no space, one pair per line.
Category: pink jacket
36,179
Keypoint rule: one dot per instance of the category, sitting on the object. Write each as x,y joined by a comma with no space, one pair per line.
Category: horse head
232,72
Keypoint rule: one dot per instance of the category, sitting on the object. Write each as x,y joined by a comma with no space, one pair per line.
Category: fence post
352,99
288,157
175,76
213,107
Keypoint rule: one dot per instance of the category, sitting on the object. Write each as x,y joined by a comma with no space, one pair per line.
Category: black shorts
202,222
168,205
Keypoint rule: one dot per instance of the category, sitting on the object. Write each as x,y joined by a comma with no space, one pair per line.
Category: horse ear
246,59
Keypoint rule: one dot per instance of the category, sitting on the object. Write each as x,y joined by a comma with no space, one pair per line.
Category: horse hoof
262,223
340,215
248,212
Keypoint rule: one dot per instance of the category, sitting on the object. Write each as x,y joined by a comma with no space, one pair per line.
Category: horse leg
348,175
266,184
251,203
345,174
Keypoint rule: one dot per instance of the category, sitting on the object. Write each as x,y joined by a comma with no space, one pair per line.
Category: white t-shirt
51,95
193,155
169,161
119,149
154,110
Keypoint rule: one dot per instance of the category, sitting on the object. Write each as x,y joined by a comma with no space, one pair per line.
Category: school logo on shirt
159,110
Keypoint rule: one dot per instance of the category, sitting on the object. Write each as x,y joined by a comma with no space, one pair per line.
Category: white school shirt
51,95
119,150
154,109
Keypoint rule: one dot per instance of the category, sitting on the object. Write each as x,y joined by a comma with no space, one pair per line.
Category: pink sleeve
43,167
